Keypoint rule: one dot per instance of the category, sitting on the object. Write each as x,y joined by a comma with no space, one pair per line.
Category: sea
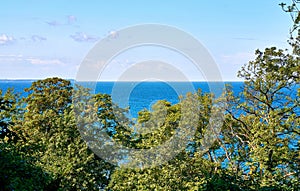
142,95
138,96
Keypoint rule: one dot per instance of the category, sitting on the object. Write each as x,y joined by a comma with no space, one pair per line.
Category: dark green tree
48,134
16,172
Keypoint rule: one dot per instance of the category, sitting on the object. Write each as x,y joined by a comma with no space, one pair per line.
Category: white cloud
5,39
38,61
4,58
37,38
11,55
31,60
53,23
82,37
68,20
33,38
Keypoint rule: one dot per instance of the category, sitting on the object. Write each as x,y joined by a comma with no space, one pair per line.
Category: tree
264,121
294,12
48,135
189,169
8,109
261,133
258,148
16,172
41,145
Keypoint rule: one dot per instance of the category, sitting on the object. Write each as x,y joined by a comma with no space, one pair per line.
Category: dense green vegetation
41,147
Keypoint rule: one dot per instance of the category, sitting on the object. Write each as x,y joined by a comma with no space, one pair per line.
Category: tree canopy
48,138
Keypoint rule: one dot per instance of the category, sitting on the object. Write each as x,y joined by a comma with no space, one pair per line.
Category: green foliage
48,143
188,170
259,144
265,131
182,173
293,10
8,109
16,172
41,145
258,149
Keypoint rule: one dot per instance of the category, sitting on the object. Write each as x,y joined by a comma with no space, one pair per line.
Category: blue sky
40,39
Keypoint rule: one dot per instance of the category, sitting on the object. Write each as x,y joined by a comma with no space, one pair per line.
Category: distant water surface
137,96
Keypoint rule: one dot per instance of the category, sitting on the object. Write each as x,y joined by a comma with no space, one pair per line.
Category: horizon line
71,79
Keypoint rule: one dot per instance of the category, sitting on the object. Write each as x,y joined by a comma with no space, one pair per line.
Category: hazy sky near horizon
40,39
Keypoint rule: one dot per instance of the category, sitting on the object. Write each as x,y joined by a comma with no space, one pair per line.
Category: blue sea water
136,96
139,96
